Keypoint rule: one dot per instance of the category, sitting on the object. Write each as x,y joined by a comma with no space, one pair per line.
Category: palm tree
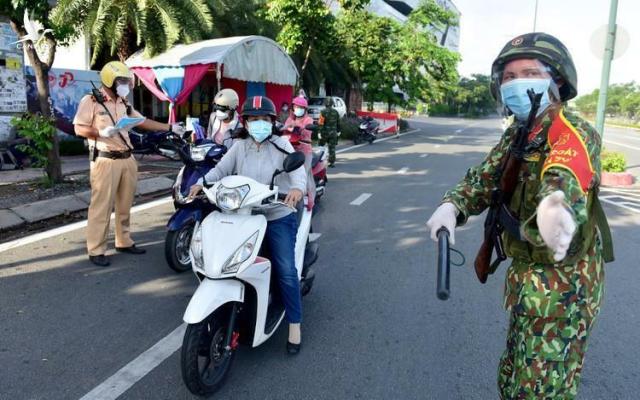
122,26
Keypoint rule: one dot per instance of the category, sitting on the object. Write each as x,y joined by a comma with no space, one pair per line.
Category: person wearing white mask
224,119
552,224
257,154
113,172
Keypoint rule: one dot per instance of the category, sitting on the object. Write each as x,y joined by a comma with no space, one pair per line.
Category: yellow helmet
113,70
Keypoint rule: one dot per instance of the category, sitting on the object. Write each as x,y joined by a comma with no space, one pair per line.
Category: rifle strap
603,227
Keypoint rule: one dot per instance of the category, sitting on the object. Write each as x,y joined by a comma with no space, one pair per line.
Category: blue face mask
514,96
260,130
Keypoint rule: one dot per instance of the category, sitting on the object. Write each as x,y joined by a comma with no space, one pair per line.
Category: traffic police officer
113,172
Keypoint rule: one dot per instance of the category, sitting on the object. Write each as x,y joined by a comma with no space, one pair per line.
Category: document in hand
128,122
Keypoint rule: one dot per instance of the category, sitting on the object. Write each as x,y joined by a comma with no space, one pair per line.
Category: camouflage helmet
545,48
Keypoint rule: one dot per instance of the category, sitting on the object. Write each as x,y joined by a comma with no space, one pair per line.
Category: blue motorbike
198,159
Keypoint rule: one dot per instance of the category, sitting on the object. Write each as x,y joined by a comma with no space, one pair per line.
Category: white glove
178,129
108,132
555,224
443,216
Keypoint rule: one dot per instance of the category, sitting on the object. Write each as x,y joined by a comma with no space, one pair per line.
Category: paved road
373,328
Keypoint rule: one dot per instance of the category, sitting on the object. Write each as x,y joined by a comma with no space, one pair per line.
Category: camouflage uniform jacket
330,121
568,160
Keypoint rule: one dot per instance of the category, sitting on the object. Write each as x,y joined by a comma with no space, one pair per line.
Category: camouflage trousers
544,357
331,141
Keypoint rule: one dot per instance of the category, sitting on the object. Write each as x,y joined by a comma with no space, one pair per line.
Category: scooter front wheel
176,248
205,360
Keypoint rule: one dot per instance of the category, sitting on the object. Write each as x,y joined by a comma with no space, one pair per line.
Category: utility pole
606,66
535,17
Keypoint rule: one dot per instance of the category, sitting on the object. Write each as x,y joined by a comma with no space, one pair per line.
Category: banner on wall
67,87
388,121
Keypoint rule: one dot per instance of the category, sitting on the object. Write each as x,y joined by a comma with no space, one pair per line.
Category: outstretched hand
556,224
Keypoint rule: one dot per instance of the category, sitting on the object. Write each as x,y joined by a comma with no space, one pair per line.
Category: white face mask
222,115
299,112
122,90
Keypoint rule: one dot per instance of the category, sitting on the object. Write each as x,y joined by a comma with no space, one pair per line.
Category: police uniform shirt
91,113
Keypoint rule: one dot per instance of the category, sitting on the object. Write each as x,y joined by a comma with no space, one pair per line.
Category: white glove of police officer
443,216
108,132
556,224
178,129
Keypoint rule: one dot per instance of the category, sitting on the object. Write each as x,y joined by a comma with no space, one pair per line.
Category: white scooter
237,300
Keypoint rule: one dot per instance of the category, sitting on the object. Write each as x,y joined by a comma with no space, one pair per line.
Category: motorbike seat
317,156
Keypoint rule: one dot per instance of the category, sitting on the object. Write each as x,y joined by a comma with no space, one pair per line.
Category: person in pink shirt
300,138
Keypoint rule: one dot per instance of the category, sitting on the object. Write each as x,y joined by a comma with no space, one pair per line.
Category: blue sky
486,25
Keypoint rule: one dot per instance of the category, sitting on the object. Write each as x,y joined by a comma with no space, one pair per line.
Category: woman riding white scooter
257,157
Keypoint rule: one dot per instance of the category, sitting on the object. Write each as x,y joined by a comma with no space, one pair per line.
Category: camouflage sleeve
472,195
572,166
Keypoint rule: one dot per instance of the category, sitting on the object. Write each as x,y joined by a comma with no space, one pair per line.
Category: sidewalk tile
153,185
9,219
84,196
45,209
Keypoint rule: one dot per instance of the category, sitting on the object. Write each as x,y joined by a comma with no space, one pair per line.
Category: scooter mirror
293,161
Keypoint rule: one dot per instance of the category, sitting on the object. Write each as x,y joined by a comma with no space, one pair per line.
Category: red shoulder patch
568,151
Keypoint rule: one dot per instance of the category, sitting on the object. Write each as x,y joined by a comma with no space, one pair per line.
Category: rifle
442,289
499,216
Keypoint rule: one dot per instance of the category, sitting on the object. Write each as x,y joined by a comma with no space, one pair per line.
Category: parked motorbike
160,142
237,300
367,130
198,160
319,160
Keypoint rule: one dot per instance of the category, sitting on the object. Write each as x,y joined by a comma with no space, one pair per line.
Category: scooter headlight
240,255
197,257
230,199
198,153
363,126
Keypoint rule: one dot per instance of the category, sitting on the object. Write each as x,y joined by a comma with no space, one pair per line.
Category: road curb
14,217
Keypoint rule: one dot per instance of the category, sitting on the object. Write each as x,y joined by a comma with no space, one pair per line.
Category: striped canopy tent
251,65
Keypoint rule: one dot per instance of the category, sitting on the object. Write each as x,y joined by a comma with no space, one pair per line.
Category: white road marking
360,199
403,170
378,140
131,373
459,130
627,198
621,144
71,227
314,236
437,146
623,204
423,155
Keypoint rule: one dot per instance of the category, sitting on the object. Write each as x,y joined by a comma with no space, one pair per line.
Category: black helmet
545,48
258,105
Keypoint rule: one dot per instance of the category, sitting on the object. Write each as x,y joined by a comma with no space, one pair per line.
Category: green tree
41,56
121,27
386,55
306,26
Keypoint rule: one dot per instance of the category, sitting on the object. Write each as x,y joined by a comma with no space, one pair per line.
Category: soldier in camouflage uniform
555,284
329,126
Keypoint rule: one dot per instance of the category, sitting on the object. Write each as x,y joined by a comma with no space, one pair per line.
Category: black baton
443,264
